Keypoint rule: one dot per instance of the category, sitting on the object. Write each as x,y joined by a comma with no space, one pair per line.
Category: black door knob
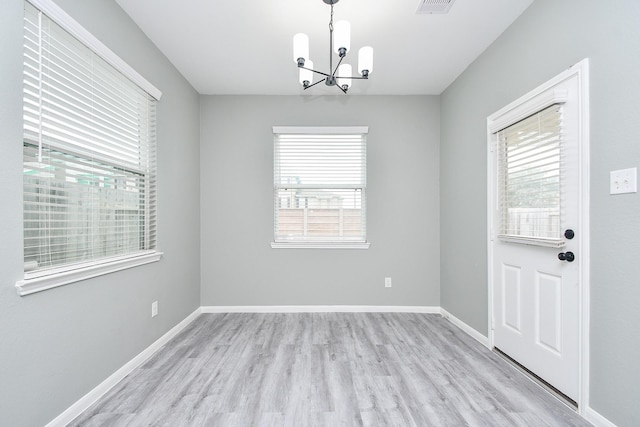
566,256
569,234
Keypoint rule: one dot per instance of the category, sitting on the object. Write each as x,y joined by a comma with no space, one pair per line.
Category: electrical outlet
154,309
623,181
387,282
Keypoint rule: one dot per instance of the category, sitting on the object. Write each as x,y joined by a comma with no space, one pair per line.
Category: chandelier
340,43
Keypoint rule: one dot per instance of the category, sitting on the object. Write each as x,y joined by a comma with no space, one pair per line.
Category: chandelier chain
331,20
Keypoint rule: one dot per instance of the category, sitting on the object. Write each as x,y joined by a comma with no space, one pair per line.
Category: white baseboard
596,419
466,328
87,400
320,309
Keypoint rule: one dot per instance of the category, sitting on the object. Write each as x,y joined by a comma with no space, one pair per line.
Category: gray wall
549,37
57,345
239,266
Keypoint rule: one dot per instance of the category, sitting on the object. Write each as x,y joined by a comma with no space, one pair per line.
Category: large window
89,156
320,185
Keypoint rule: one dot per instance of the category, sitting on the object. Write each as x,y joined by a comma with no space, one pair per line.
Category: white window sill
41,281
546,242
319,245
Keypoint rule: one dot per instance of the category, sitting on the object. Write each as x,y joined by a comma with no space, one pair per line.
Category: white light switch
624,181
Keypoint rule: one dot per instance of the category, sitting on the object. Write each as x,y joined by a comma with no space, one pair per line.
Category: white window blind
530,178
89,155
320,185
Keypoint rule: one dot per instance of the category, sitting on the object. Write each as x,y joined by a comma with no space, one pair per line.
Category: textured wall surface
238,265
549,37
57,345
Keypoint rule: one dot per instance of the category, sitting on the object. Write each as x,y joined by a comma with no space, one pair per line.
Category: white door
536,226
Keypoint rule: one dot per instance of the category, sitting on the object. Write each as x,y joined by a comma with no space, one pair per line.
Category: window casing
89,157
320,187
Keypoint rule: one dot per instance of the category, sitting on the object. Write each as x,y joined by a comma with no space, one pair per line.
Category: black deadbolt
566,256
569,234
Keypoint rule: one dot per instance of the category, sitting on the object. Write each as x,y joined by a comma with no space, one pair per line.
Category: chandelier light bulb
300,48
342,37
344,70
365,61
306,76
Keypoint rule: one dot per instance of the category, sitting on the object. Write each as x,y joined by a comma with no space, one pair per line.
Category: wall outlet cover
623,181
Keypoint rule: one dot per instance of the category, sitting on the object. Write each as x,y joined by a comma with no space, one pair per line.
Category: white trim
319,245
61,18
320,309
57,277
492,151
333,130
517,111
321,186
581,70
88,399
465,328
533,241
596,419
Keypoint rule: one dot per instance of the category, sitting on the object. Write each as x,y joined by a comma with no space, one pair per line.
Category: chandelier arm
340,87
315,71
307,87
336,70
355,78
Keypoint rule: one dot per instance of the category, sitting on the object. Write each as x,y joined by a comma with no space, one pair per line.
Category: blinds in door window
319,187
530,177
89,153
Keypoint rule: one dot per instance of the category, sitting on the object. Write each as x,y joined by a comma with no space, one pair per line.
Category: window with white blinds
530,177
320,186
89,155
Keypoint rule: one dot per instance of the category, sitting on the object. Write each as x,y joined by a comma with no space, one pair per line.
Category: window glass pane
77,209
530,176
89,153
320,159
319,188
319,214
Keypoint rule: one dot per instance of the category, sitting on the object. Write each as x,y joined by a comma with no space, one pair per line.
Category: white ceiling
245,46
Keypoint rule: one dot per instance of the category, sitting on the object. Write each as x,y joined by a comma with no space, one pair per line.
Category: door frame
581,70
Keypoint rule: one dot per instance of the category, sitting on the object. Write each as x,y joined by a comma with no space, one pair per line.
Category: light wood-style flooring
326,369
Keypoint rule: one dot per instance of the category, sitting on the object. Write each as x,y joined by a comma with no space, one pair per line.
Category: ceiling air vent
434,6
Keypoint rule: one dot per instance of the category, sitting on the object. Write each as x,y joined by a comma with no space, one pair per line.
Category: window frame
53,276
319,243
541,151
509,117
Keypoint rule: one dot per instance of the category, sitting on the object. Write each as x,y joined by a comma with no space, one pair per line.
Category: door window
530,177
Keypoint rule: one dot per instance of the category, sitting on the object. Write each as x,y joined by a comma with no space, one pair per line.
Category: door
537,227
